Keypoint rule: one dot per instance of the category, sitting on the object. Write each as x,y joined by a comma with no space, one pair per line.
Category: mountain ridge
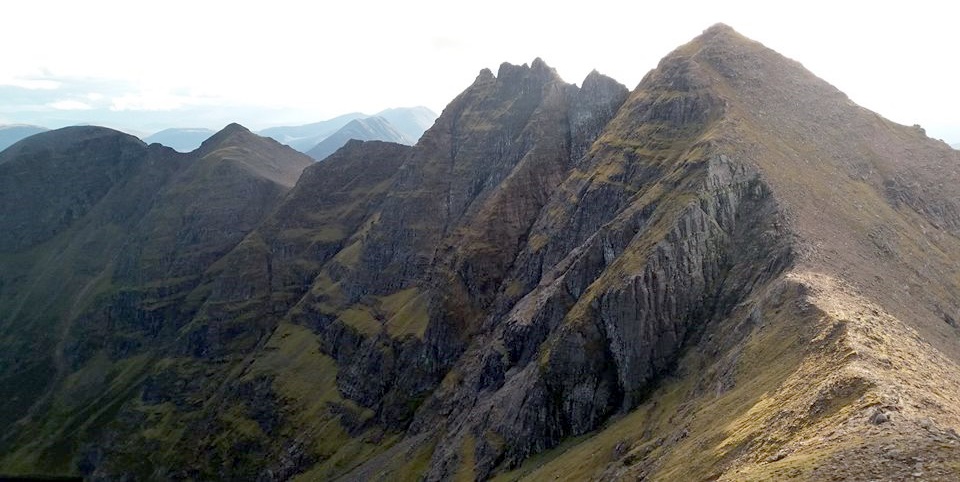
11,133
305,136
157,219
410,121
731,272
406,125
863,380
180,139
366,129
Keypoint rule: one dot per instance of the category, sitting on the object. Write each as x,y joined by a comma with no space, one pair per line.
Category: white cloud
69,105
31,84
320,59
148,101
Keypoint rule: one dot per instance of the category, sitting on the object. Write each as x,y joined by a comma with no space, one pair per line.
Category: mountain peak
68,136
595,80
368,129
720,34
754,73
719,28
506,69
539,64
229,131
722,42
538,69
262,156
232,133
485,75
233,128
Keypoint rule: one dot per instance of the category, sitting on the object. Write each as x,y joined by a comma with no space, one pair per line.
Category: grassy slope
791,399
306,379
870,335
277,401
782,388
78,276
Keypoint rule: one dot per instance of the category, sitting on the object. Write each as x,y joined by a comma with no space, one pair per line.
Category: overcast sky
144,66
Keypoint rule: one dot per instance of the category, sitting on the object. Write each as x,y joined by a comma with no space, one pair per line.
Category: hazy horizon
206,65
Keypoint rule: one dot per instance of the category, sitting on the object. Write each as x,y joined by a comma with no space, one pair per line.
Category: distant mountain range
180,139
369,129
403,125
731,272
305,137
410,122
10,134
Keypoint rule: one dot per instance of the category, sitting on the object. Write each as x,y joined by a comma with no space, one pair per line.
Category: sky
143,66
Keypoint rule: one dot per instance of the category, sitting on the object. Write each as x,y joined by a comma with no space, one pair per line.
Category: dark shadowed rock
49,181
727,273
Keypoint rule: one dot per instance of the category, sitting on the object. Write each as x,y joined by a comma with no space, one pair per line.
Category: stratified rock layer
727,273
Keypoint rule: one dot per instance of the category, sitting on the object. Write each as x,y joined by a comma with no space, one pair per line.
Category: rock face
724,274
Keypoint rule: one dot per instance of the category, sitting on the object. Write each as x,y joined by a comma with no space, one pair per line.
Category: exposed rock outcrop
725,274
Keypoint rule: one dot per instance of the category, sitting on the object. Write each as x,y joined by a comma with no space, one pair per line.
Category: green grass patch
362,319
468,460
406,313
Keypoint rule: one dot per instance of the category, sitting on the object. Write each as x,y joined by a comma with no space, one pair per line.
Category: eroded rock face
569,356
458,211
591,108
274,265
632,253
554,247
539,262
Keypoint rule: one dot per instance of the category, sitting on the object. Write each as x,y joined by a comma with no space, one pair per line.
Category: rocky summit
732,272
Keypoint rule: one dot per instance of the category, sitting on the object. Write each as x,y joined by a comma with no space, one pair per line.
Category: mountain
180,139
732,272
412,122
367,129
305,137
955,145
113,235
10,134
